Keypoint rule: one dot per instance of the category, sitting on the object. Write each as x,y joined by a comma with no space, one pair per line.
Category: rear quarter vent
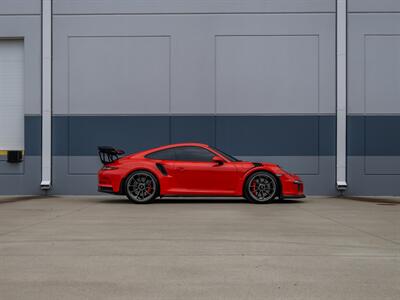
162,169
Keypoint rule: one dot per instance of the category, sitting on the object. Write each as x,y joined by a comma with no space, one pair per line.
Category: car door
197,174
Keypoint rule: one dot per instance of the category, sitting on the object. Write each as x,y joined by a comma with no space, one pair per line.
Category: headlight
282,172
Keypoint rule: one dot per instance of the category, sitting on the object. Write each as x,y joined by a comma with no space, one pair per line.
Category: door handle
180,168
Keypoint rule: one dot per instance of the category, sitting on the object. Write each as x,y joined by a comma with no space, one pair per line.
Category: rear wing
109,154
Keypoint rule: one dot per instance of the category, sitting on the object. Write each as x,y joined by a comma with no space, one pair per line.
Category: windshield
229,157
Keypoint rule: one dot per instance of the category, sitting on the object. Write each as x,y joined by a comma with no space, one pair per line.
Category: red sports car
192,169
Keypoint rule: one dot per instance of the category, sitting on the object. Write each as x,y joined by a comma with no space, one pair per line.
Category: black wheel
261,187
141,187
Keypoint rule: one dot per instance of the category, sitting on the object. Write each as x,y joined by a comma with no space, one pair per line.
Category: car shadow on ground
376,200
197,201
10,199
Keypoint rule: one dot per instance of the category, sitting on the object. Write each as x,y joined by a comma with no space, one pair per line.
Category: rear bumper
105,189
109,181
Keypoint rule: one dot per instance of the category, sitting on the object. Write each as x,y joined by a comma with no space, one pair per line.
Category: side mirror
218,160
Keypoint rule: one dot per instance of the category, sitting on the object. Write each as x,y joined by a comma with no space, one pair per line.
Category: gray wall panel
267,74
373,5
116,75
373,63
382,165
367,184
27,183
83,165
11,169
190,6
193,61
66,184
382,73
324,182
20,7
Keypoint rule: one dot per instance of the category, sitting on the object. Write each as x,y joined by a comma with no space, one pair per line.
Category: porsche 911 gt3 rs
192,169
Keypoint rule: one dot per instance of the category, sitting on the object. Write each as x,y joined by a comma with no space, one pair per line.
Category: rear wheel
261,187
141,187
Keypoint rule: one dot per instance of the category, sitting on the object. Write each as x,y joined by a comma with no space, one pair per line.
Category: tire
261,187
142,187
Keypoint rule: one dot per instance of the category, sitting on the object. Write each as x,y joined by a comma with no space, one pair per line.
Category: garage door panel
11,94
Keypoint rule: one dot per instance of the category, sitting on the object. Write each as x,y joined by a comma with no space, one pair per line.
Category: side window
167,154
193,154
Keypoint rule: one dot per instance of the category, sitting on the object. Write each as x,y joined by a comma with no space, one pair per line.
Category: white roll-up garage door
11,94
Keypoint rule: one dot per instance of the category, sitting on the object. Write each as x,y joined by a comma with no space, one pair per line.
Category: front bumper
292,187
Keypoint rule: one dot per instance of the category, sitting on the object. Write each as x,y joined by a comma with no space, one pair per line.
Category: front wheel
261,187
141,187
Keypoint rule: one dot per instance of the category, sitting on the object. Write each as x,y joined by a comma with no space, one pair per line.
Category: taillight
106,168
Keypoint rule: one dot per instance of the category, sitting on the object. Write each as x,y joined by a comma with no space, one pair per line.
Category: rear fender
144,166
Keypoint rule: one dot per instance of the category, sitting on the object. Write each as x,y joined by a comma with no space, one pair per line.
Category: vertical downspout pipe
341,95
46,93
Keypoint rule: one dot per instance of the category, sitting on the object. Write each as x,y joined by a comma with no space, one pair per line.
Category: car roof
186,144
172,146
180,145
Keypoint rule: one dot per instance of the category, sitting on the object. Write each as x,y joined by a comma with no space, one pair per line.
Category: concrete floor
107,248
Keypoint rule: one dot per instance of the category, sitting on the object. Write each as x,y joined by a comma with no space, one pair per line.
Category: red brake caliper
253,187
149,188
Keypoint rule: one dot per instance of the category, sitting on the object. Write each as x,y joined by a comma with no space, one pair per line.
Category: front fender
269,169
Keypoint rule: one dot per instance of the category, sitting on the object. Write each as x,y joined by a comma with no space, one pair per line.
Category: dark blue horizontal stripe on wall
276,135
239,135
373,135
131,133
33,135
